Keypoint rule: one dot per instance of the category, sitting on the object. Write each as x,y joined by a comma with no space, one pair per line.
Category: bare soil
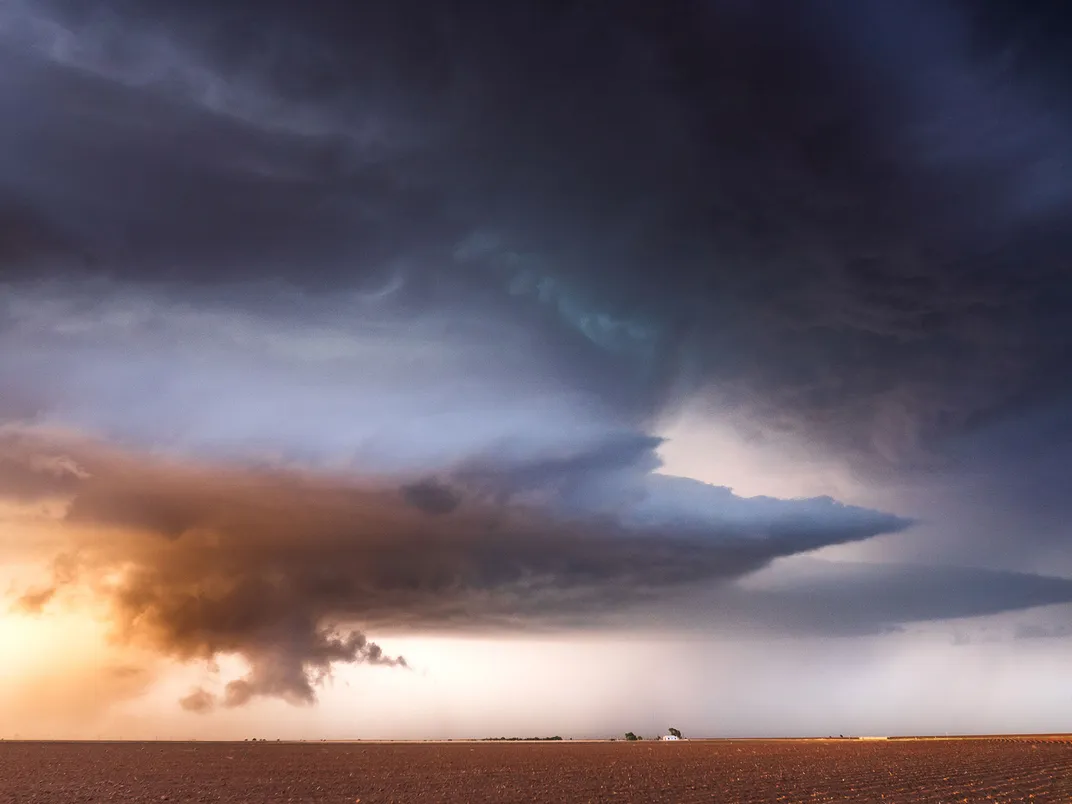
967,770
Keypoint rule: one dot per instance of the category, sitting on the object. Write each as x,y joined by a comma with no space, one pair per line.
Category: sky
542,368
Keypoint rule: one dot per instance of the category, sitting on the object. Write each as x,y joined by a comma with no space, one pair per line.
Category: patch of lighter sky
711,447
594,685
604,685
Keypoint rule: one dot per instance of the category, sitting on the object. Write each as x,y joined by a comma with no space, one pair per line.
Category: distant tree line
633,737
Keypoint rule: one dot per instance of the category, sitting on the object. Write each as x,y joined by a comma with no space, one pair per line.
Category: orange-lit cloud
285,568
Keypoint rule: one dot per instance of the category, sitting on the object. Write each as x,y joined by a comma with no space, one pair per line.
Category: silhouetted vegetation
521,739
632,737
675,733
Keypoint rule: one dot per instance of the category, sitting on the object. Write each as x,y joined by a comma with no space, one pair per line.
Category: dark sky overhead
327,319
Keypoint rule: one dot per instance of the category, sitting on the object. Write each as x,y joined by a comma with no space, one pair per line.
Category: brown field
991,770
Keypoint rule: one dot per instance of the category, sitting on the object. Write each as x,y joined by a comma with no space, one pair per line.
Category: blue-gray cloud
849,223
851,599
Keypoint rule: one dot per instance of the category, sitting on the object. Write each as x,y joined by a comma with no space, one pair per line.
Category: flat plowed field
1038,770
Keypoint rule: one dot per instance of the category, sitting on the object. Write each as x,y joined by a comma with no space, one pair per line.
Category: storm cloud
280,567
772,209
321,320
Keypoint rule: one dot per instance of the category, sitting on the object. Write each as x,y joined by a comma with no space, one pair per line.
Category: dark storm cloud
431,496
846,219
279,567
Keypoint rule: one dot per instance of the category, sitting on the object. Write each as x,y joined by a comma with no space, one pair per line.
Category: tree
630,736
675,733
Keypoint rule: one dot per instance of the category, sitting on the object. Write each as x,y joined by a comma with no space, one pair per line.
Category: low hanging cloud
809,597
286,569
